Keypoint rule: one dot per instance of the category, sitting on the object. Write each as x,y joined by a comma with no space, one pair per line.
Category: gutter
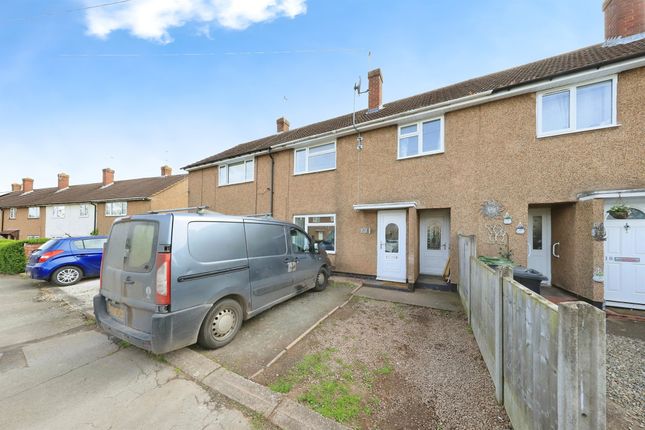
457,104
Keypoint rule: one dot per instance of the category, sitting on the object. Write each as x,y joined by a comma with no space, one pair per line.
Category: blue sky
114,87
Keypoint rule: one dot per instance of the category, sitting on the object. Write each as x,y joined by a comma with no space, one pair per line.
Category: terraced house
79,210
530,160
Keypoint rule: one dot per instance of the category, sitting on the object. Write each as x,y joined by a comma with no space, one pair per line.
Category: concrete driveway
58,371
261,338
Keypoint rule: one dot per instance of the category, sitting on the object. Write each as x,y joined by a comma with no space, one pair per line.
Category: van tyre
67,275
322,279
221,324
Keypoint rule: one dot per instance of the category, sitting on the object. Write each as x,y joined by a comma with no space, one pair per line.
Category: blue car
66,261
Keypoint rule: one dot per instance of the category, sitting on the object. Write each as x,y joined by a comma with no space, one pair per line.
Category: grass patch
334,388
124,344
333,399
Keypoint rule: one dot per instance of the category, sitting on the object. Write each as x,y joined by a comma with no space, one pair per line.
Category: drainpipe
95,220
272,177
1,219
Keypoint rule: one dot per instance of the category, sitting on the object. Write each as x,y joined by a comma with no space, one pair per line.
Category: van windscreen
131,246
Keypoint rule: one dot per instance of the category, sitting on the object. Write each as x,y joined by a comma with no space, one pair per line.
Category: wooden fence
547,361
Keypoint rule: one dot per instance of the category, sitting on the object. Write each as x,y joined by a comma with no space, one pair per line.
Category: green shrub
12,255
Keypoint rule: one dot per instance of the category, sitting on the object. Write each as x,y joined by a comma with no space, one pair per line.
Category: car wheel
221,324
67,275
322,279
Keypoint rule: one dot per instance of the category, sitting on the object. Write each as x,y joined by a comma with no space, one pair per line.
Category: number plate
116,311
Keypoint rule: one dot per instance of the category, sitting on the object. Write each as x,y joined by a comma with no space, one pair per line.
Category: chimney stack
108,176
375,90
623,18
27,185
282,124
15,187
166,170
63,181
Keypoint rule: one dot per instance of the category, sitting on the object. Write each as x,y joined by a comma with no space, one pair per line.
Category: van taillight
163,279
49,254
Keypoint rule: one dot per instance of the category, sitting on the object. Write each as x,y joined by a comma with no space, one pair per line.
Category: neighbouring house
529,160
79,210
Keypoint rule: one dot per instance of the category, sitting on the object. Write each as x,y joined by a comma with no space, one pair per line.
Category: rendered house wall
491,152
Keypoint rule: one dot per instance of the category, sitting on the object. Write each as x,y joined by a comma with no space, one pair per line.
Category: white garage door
625,263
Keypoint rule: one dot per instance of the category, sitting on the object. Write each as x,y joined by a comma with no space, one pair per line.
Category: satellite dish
357,85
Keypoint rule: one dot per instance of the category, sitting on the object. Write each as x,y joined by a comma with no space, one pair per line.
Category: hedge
12,255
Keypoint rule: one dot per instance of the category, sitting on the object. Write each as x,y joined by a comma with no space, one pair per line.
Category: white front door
391,246
625,262
539,239
434,242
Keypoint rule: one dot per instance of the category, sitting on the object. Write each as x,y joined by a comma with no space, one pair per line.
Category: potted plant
598,275
619,211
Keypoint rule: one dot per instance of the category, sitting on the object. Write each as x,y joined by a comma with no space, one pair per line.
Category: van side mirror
314,248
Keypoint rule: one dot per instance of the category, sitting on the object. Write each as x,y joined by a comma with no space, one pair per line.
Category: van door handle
296,259
287,260
128,281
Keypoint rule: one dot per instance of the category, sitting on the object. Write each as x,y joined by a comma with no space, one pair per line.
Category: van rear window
216,241
131,246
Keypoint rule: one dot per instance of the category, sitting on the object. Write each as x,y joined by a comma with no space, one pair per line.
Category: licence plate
116,311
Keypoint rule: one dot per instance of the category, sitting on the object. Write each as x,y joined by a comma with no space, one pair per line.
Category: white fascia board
244,157
383,206
610,194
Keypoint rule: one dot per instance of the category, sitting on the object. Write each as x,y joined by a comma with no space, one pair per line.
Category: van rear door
129,275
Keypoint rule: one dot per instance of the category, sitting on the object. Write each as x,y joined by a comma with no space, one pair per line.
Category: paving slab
442,300
261,338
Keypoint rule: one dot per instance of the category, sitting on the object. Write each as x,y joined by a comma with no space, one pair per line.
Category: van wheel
322,279
67,275
221,324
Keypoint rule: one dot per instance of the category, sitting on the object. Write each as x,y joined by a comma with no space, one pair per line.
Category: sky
136,84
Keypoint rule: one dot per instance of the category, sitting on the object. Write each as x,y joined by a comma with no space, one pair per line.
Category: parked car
171,280
66,261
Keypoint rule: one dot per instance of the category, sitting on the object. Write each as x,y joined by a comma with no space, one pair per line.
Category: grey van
171,280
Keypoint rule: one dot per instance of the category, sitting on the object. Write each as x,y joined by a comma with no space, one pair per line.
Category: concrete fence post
581,367
501,272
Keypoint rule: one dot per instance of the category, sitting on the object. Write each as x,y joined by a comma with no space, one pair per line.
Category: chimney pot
108,176
15,187
282,124
623,18
375,96
63,181
166,170
27,185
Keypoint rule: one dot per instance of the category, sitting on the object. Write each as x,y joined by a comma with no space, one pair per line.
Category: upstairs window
12,213
236,173
58,211
317,158
116,208
422,138
577,108
33,212
84,211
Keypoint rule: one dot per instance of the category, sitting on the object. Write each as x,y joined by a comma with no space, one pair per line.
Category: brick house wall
27,226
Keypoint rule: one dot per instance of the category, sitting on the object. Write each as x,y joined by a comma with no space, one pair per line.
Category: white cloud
152,19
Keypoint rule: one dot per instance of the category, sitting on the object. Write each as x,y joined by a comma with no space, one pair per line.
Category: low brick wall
30,247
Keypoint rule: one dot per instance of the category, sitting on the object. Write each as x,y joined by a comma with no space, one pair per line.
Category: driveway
58,371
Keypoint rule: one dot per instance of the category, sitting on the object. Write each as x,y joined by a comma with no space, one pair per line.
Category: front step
434,283
396,286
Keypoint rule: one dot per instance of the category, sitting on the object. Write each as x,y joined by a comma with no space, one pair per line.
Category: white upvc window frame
58,211
12,213
306,149
35,209
83,210
572,88
224,169
109,208
419,133
319,224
